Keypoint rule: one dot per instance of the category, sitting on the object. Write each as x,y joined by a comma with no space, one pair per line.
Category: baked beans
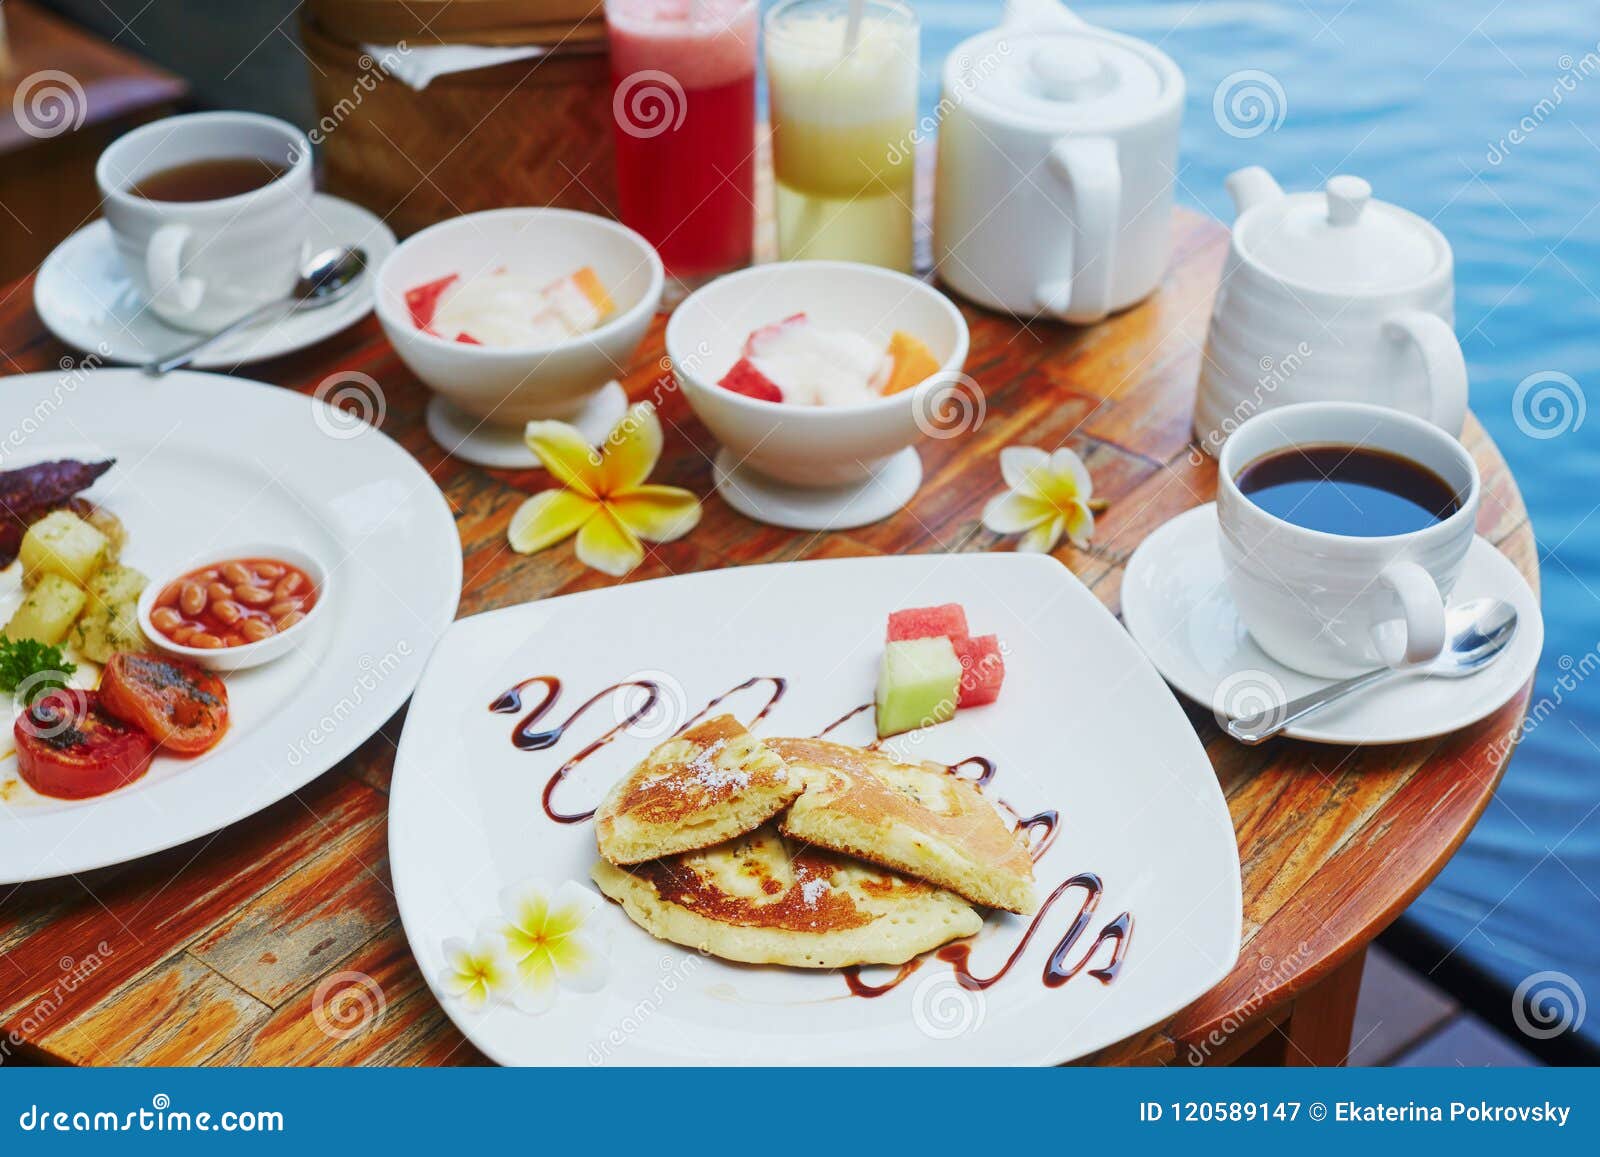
229,604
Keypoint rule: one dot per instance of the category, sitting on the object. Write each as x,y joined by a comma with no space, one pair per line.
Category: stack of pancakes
804,852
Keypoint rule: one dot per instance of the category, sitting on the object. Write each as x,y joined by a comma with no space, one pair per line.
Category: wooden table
64,95
223,951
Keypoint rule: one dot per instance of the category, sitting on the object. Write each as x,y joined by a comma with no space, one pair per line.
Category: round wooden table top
231,949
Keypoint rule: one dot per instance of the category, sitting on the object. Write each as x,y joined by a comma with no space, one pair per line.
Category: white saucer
84,297
765,499
486,443
1176,605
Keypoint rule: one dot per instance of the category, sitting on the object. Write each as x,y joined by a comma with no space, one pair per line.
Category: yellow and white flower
550,940
602,495
1050,494
480,972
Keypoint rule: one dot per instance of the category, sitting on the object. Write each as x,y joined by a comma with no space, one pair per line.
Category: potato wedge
62,543
48,610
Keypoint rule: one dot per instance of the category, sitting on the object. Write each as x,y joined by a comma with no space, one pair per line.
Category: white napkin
419,67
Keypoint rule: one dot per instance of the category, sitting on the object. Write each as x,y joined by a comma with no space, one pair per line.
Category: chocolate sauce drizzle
1056,970
526,736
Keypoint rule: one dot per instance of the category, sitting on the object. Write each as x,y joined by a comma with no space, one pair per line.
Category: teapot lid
1341,240
1058,79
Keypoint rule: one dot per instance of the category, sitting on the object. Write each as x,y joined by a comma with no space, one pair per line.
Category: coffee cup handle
1423,608
163,265
1442,361
1089,168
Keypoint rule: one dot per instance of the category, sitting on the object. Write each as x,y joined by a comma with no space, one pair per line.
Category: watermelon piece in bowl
745,379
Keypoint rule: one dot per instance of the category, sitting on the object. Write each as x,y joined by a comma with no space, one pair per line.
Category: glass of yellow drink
844,110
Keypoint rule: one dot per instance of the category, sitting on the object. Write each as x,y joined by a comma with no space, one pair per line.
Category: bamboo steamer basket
531,132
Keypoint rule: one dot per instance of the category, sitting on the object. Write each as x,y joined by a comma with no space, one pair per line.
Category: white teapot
1057,148
1329,296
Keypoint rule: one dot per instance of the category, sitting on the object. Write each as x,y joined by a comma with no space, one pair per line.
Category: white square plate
1084,726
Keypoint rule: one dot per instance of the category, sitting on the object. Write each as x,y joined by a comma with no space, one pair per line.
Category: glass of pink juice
683,75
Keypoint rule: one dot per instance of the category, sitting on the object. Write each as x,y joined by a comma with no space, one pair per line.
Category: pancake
707,785
761,900
915,818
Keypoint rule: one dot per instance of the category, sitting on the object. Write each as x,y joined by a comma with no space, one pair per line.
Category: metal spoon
325,279
1476,633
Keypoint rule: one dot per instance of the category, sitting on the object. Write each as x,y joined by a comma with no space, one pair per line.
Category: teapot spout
1250,187
1039,14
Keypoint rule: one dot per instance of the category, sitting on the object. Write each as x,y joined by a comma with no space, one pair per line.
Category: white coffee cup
1330,604
200,264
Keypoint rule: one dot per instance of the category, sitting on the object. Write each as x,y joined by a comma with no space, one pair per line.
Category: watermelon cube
763,336
422,301
745,379
983,669
919,685
948,620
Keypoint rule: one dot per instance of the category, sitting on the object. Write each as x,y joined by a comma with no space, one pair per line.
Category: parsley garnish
30,663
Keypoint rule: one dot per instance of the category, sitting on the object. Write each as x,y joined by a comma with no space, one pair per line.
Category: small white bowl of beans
236,608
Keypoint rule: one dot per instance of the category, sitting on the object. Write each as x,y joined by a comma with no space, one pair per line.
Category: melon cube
983,669
919,684
948,620
911,362
745,379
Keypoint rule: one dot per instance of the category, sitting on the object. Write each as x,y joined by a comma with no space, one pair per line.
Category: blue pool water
1421,99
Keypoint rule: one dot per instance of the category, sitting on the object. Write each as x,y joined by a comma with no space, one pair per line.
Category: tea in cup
210,213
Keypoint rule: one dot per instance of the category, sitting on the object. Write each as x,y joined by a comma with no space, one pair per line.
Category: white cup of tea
210,212
1343,528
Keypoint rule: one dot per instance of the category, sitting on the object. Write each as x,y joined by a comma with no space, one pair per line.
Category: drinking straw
852,27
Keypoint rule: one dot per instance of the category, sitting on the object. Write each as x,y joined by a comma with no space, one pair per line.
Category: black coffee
1350,490
208,180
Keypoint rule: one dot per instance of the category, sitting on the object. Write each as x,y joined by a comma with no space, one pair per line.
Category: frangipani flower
479,972
1050,495
602,494
549,941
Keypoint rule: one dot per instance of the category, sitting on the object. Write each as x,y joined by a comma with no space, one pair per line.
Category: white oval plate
1084,725
1176,605
208,461
85,297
